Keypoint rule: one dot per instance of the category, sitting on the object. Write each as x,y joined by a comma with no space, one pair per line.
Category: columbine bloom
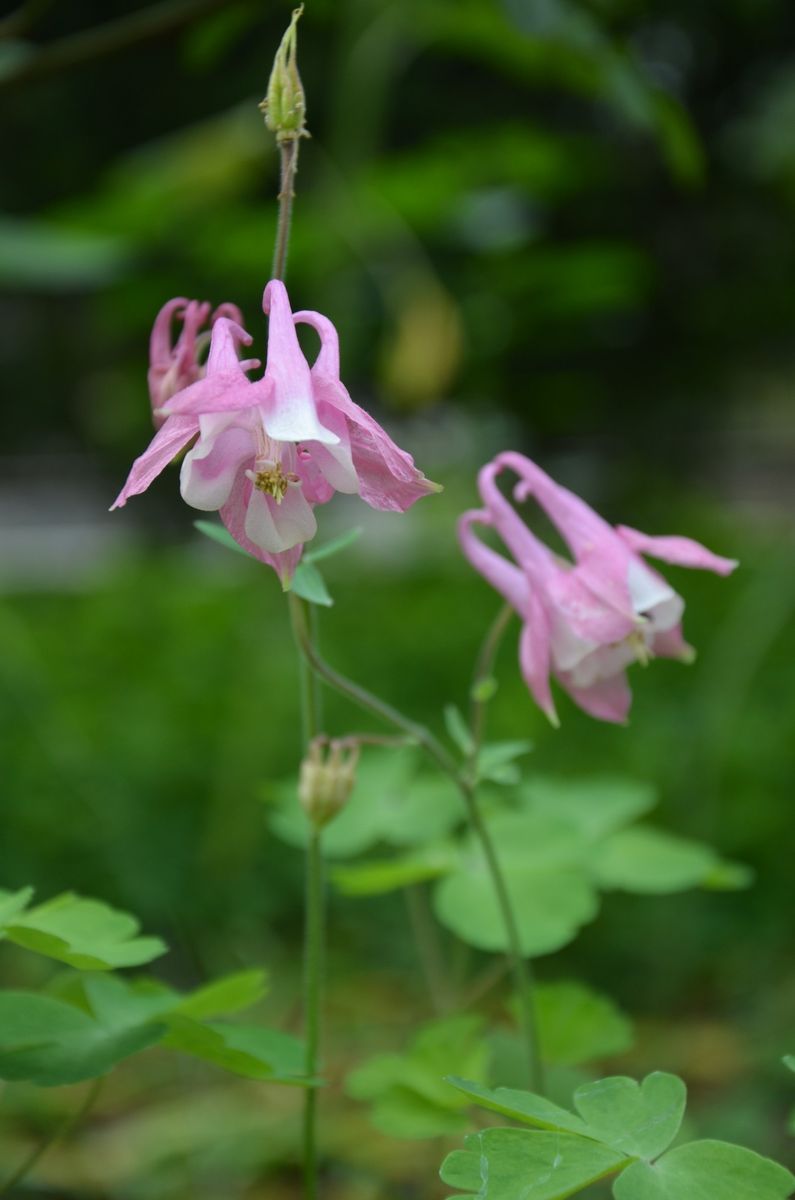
266,451
174,365
584,621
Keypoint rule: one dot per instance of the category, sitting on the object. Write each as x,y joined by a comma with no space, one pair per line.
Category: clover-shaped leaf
637,1119
713,1170
510,1164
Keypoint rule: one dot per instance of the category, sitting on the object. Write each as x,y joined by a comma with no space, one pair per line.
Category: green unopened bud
284,107
328,774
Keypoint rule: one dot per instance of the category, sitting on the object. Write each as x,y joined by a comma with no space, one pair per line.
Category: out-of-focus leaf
595,805
249,1050
12,903
53,258
48,1042
389,874
407,1091
225,996
642,859
86,934
458,729
577,1024
542,863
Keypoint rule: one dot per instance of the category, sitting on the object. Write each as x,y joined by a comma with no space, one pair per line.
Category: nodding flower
585,619
174,365
266,451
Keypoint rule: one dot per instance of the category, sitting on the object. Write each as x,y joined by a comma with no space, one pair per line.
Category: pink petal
671,644
290,410
165,445
228,391
680,550
233,515
227,336
279,527
388,478
503,576
160,341
534,657
581,527
607,700
530,553
209,470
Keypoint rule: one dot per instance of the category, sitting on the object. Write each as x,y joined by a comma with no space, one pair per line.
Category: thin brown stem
288,151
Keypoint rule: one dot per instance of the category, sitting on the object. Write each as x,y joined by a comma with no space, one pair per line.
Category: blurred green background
559,226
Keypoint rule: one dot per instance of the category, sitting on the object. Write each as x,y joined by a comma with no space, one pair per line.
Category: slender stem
61,1131
482,673
447,763
428,948
313,977
288,150
314,929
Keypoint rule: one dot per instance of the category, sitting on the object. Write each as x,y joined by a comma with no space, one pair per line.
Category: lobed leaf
83,933
511,1164
637,1119
708,1169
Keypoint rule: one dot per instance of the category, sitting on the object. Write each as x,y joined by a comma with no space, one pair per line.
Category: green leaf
248,1050
458,729
511,1164
595,806
576,1024
333,547
12,903
419,810
34,254
713,1170
496,761
224,996
408,1092
521,1106
221,535
48,1042
309,584
649,860
389,874
86,934
640,1120
789,1061
484,690
542,864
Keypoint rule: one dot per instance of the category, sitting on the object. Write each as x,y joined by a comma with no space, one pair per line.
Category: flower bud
284,107
327,776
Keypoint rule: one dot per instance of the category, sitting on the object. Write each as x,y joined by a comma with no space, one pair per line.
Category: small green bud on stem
284,107
327,776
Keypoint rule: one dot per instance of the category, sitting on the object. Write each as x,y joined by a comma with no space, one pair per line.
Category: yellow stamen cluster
274,482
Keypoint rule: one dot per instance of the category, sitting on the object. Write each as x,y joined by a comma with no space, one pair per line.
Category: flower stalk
462,779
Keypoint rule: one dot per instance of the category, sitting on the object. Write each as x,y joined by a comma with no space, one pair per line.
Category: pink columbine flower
584,621
174,365
266,451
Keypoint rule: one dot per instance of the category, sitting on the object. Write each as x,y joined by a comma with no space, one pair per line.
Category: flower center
273,481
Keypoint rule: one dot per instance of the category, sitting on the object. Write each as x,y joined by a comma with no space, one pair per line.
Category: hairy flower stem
61,1131
288,150
463,781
